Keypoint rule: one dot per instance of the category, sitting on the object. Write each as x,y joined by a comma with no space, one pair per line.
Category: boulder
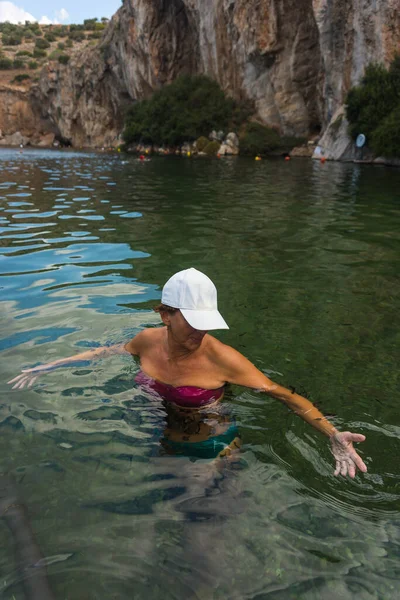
15,139
46,139
302,152
216,136
230,145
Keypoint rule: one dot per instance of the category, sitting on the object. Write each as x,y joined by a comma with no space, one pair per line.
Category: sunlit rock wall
295,59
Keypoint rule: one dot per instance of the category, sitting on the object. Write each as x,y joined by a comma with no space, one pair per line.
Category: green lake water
305,257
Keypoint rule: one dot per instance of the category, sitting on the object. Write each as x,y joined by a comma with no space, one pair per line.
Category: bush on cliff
5,63
63,59
11,40
385,139
212,148
373,106
188,108
76,35
258,139
201,143
42,44
20,78
39,53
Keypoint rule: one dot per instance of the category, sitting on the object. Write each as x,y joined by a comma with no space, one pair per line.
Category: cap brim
204,320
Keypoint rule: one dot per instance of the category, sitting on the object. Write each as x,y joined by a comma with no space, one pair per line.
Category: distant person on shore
190,369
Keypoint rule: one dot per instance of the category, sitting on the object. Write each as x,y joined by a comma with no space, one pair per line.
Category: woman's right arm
28,376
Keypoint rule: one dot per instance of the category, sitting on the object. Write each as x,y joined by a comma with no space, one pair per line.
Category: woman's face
182,333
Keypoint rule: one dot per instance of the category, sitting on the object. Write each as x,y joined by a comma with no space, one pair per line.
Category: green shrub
77,35
21,77
61,46
63,59
62,30
373,107
89,24
32,64
385,139
18,64
12,40
188,108
34,27
69,44
212,148
23,53
42,44
38,53
5,63
370,102
258,139
50,37
201,143
55,54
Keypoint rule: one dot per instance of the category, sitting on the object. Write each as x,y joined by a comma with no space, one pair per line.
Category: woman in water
189,368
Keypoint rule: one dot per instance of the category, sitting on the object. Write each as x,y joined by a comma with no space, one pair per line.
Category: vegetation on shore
373,108
183,111
30,45
189,109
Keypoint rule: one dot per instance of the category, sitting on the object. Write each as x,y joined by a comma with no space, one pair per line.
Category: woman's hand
28,377
347,459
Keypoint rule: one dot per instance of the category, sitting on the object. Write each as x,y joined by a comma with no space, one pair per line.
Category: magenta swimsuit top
188,396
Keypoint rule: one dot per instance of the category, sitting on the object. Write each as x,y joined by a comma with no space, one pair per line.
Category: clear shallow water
306,260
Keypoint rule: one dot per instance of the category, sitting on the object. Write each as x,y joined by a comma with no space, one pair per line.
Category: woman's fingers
20,376
357,437
24,379
19,384
32,381
351,468
358,461
22,382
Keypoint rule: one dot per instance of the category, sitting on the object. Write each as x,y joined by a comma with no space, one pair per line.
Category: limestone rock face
294,59
16,115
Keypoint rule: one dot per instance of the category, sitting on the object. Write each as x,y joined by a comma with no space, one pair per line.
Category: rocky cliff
295,59
19,122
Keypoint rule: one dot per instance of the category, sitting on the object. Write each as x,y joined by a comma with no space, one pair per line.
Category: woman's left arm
240,371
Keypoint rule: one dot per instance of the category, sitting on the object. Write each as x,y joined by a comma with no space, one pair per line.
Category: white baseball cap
196,297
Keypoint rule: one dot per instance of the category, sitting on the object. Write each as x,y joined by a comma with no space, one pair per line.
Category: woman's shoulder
219,350
144,339
222,354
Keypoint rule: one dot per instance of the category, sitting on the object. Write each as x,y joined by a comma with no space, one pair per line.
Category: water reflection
30,565
306,260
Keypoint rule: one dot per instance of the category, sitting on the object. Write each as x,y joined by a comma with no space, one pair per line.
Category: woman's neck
176,351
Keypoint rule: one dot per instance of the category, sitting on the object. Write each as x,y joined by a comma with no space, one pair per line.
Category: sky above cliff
60,11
